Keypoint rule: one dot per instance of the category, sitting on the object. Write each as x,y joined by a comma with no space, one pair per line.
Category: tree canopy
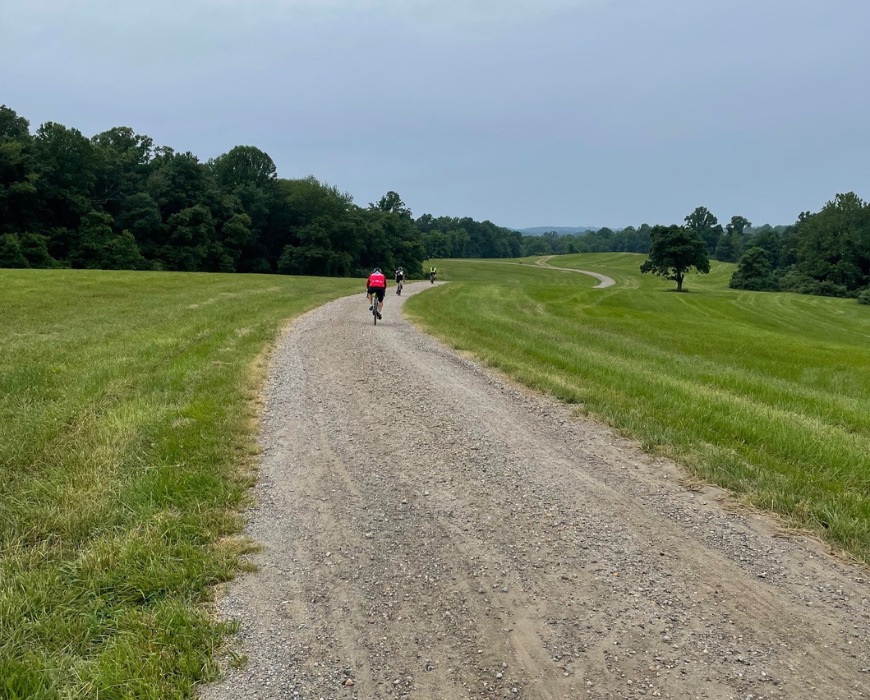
825,253
755,272
707,226
676,250
117,201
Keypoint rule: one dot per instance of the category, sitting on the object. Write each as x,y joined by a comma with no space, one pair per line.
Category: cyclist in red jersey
376,287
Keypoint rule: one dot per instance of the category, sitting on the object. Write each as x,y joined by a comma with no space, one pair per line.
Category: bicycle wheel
375,309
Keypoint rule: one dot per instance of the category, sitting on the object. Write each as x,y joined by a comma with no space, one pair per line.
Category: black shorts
378,291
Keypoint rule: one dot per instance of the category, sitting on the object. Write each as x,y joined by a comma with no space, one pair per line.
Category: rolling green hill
765,394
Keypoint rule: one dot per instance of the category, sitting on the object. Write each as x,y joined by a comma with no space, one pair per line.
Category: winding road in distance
603,280
430,531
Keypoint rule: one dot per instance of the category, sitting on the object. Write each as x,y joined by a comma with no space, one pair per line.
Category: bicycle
432,277
376,302
399,286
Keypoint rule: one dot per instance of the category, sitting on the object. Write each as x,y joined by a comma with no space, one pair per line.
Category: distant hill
561,230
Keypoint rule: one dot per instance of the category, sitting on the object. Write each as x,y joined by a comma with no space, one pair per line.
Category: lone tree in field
674,251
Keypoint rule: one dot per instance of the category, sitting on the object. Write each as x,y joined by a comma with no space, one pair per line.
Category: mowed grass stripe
126,436
766,394
821,442
579,343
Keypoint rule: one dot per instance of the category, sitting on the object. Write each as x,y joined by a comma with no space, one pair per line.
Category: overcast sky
528,113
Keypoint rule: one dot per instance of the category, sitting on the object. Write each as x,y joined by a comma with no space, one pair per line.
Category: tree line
824,253
118,201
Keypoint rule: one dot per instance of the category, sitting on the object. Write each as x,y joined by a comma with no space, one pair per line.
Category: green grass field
127,426
765,394
126,434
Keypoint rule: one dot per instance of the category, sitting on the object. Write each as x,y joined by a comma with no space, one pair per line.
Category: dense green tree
755,272
728,248
18,192
731,244
10,251
738,225
244,166
537,245
235,235
392,239
177,181
141,216
834,244
768,238
707,226
123,158
793,280
191,235
34,247
467,238
676,250
97,246
247,179
788,250
66,164
446,244
392,203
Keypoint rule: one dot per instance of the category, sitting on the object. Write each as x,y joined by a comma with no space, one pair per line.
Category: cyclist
400,279
376,287
432,272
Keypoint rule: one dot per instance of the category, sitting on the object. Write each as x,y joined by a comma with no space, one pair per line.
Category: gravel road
603,280
431,531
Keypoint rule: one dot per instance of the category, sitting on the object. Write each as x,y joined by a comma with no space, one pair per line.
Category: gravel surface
432,531
603,280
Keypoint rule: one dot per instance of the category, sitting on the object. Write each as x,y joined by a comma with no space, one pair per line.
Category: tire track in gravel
430,531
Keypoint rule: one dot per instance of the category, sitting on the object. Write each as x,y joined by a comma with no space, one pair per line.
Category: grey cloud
600,112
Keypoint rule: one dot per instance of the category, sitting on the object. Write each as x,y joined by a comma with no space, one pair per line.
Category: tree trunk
679,283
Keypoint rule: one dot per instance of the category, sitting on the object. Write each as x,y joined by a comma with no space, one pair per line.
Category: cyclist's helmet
377,271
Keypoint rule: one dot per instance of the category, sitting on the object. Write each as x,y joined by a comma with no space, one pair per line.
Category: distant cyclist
376,287
400,279
433,271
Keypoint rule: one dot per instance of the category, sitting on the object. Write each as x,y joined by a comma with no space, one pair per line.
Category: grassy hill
126,430
765,394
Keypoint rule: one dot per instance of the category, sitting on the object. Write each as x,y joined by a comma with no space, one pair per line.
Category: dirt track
603,280
431,532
